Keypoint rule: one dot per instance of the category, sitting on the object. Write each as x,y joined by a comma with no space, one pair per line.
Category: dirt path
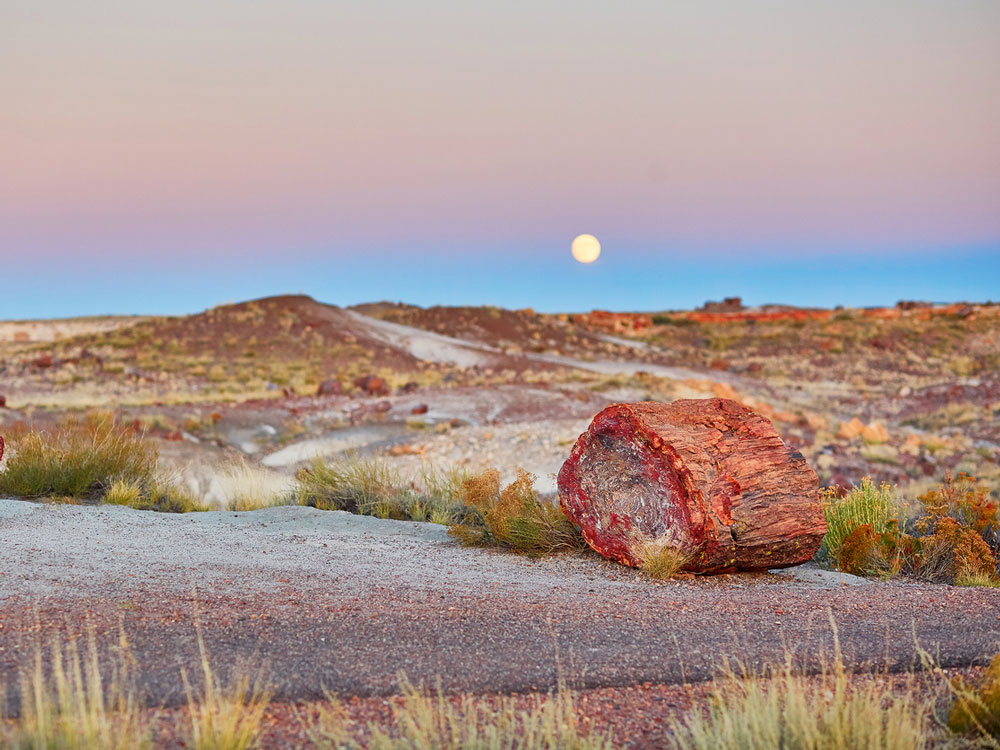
330,600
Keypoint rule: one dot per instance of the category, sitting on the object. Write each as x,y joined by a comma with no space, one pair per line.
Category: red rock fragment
420,409
711,473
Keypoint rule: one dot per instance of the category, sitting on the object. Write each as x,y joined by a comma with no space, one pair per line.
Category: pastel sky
168,156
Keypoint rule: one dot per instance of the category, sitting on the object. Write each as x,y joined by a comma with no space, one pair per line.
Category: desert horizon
491,376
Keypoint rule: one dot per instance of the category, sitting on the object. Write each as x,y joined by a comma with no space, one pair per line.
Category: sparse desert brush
863,505
161,495
431,721
373,488
513,517
249,487
441,492
955,540
225,718
80,458
976,707
351,484
969,504
789,710
661,558
75,706
123,492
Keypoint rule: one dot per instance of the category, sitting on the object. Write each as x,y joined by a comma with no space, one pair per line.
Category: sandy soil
344,602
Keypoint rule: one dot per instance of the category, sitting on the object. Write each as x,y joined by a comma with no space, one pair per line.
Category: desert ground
239,400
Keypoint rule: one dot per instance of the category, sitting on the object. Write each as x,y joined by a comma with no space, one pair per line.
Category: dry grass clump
355,485
426,721
75,707
249,487
661,558
93,459
161,495
797,712
123,492
513,517
976,708
225,718
371,487
79,458
956,539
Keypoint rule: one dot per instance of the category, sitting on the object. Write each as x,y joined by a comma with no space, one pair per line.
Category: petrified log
710,475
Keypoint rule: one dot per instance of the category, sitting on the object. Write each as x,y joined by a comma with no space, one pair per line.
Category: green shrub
513,517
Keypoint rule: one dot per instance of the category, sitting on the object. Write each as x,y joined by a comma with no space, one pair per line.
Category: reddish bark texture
710,473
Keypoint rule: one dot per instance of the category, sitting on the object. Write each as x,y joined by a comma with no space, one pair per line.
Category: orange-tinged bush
869,552
957,538
969,504
513,517
953,551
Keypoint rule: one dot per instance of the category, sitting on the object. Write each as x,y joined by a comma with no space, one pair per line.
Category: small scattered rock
406,449
875,433
911,446
373,385
421,409
383,406
850,430
330,388
3,401
880,453
815,421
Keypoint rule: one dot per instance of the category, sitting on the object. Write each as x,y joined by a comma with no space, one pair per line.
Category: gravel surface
331,600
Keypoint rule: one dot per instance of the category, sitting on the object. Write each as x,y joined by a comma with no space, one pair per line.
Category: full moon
586,248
